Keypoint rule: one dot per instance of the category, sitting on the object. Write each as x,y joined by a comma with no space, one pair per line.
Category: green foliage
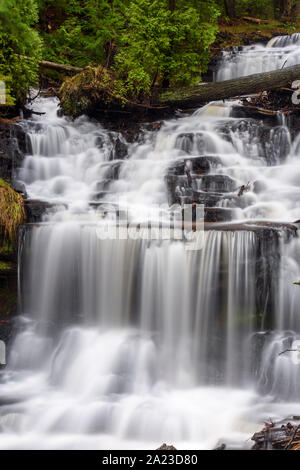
261,9
93,85
19,38
160,43
77,31
143,41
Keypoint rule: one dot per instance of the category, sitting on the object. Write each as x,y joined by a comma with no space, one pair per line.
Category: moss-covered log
98,87
46,64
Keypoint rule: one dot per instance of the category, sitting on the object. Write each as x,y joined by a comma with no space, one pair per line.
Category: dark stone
102,185
115,142
112,169
293,123
19,187
278,436
218,214
165,446
8,296
262,227
218,183
200,143
198,165
12,148
208,199
35,210
120,149
272,141
182,176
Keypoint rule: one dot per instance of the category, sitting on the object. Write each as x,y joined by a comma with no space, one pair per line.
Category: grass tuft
79,94
12,214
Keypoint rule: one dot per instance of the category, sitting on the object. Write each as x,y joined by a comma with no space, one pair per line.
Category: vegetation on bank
236,32
130,47
12,215
93,84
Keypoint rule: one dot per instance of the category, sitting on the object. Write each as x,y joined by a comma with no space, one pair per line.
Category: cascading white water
126,340
129,343
280,52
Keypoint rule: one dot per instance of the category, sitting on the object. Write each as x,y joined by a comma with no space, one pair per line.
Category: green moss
239,32
93,86
12,214
5,266
8,301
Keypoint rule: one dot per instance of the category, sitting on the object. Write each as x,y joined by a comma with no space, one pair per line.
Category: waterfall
280,52
130,342
187,300
125,337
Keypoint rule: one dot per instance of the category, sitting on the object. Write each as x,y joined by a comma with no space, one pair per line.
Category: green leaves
144,42
159,44
17,38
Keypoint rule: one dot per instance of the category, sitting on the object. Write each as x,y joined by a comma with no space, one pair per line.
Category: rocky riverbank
12,150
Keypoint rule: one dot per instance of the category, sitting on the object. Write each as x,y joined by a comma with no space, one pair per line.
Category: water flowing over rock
282,51
130,342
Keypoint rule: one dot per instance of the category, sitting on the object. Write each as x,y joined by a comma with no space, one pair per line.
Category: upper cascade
80,165
280,52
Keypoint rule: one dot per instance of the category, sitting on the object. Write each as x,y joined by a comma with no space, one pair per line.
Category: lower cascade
127,343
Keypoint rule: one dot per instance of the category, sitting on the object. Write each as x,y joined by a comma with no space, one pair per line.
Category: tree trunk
297,10
230,8
60,67
278,8
226,8
54,66
172,5
197,95
288,6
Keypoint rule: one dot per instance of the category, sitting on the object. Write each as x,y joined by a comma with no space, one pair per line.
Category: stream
129,343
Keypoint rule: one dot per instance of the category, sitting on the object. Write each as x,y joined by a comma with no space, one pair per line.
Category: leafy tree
160,42
19,38
145,41
79,31
261,8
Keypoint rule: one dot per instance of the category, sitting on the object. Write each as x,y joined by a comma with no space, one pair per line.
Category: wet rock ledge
278,436
12,150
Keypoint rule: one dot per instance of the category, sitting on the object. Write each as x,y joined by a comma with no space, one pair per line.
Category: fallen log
277,437
46,64
237,87
192,97
60,67
254,20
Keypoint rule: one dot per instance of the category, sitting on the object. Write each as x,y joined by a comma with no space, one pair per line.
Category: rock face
278,436
35,210
165,446
12,150
188,180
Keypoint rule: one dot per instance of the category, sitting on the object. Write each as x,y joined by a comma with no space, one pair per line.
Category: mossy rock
12,214
93,87
6,266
